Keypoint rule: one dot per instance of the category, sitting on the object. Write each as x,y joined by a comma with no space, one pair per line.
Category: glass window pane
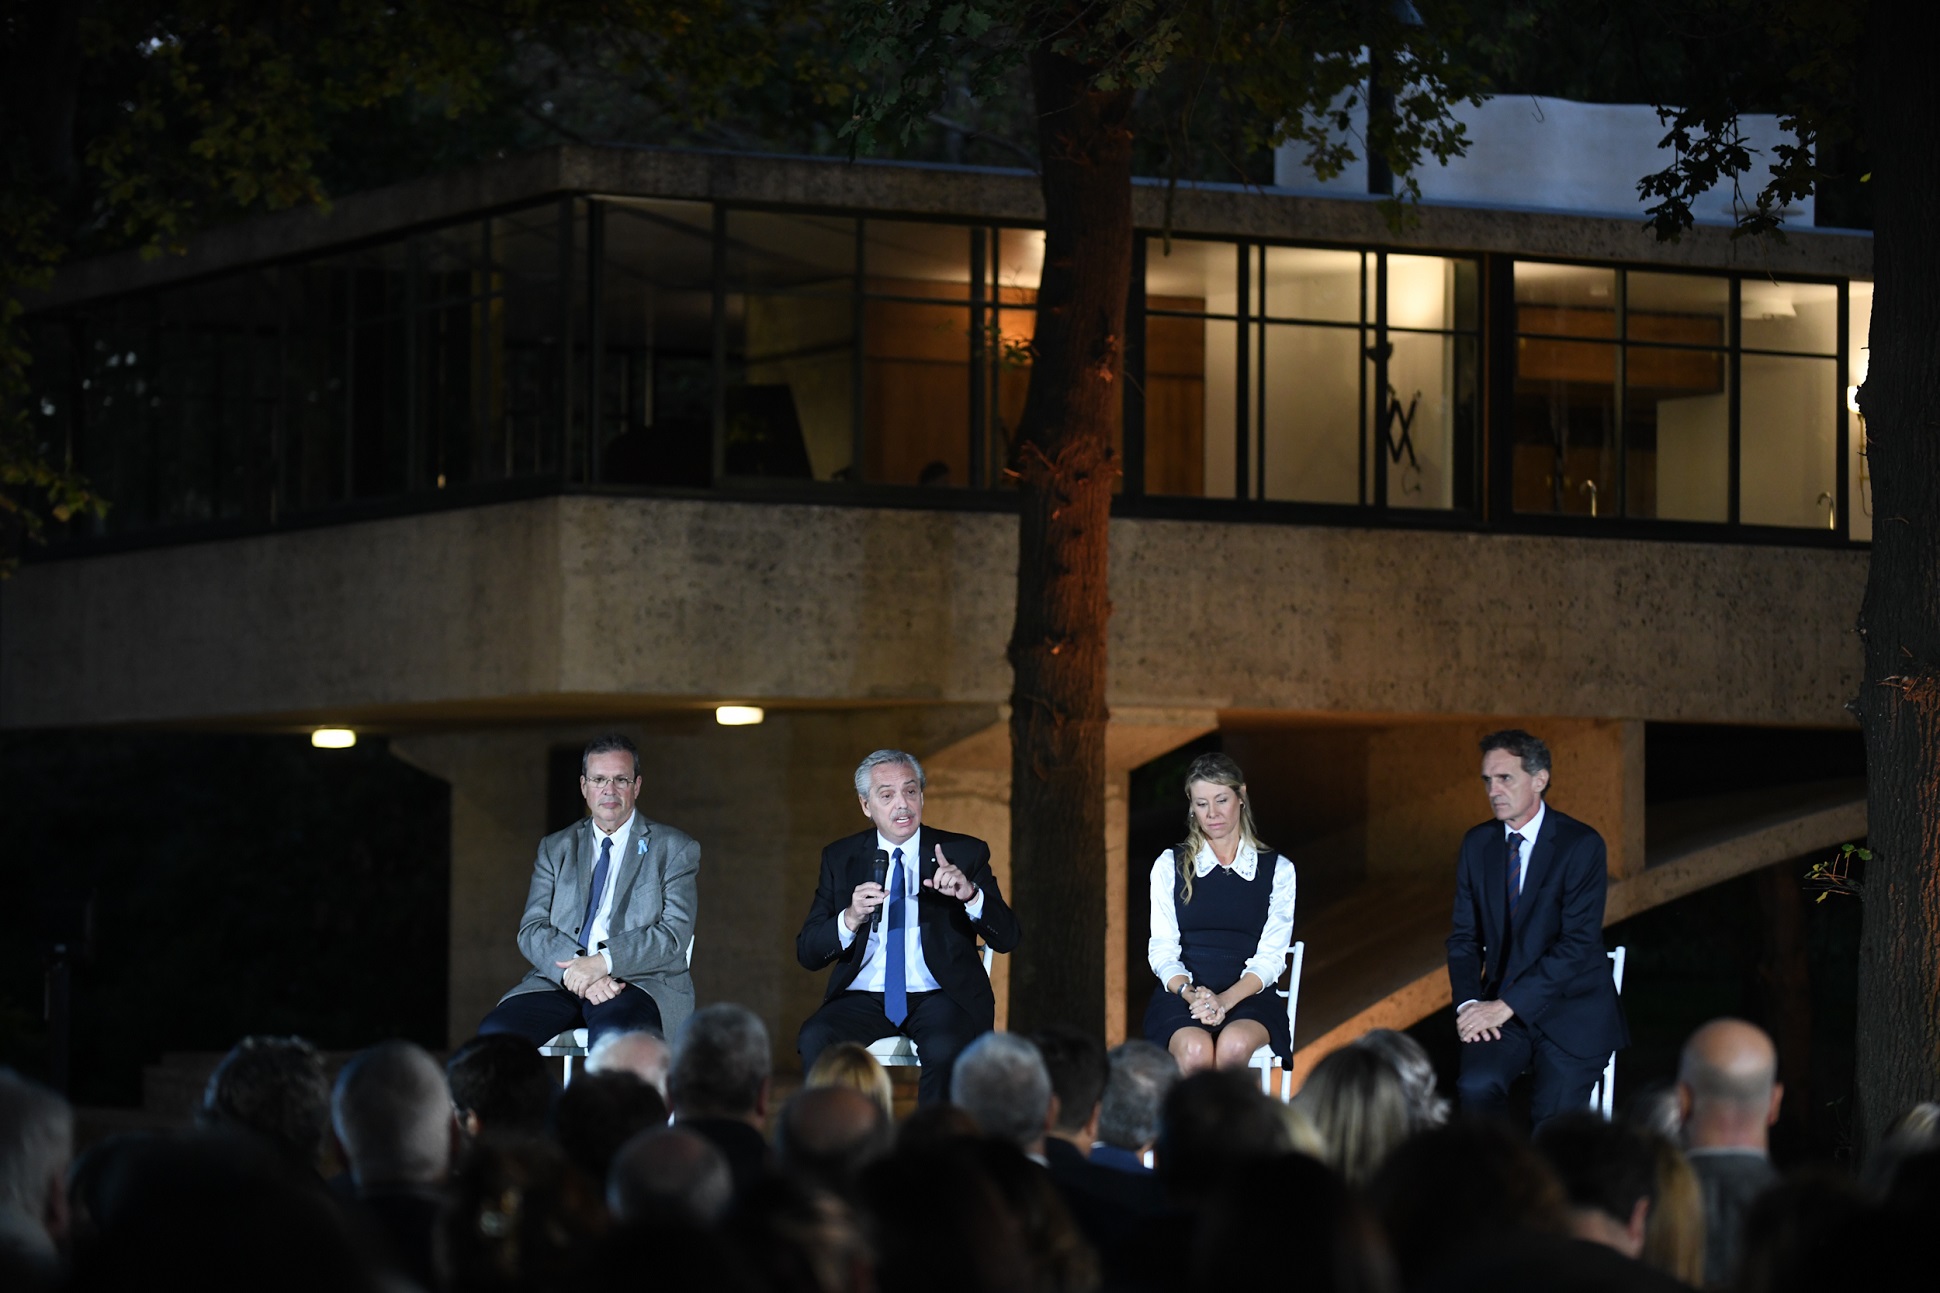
1432,428
1020,263
1432,292
1678,309
791,253
1565,300
1312,414
1305,283
909,259
1196,277
1677,417
1786,423
1859,501
1176,424
791,396
657,373
1564,432
916,392
1800,317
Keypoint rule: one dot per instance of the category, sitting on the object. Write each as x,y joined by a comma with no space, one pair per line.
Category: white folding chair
571,1044
1264,1059
897,1051
1603,1094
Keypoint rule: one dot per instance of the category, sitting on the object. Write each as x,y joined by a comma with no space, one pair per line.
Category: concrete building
492,460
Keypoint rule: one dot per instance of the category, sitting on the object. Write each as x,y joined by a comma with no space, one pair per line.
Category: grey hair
1426,1105
36,1142
609,743
392,1111
605,1056
1529,750
1141,1075
1000,1080
721,1062
886,757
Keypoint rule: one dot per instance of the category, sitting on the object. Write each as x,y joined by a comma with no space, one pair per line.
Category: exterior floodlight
738,715
333,738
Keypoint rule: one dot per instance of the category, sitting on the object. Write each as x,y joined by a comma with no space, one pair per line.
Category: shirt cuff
1466,1004
974,908
1166,972
608,958
843,934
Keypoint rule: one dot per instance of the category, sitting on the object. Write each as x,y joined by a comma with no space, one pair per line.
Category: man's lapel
1540,872
1495,895
578,871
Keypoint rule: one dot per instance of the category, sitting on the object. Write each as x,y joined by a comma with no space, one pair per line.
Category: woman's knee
1193,1049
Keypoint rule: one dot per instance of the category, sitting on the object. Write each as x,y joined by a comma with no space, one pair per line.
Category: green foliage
1834,874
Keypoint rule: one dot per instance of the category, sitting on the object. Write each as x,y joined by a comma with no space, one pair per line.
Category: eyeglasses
618,783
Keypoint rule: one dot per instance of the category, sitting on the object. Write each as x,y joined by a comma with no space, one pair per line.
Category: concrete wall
586,608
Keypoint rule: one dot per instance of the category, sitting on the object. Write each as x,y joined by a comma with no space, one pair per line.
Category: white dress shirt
595,934
1268,960
874,974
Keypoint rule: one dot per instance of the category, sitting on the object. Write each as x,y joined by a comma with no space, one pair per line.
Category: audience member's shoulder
1536,1263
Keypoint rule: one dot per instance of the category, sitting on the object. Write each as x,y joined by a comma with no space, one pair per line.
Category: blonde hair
847,1064
1218,770
1357,1103
1674,1226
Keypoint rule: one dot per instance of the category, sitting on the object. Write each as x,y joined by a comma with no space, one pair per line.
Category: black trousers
939,1027
1563,1082
539,1016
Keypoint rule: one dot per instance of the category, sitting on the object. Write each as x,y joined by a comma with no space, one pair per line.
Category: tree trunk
1065,469
1899,966
1785,1004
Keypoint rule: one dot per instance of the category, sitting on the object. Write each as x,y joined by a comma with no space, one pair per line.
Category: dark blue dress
1219,931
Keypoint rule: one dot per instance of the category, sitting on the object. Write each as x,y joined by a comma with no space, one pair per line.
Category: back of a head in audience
827,1135
1913,1133
1212,1123
520,1218
1427,1107
667,1174
499,1084
1461,1188
1816,1231
218,1211
850,1065
1727,1086
392,1114
722,1066
801,1239
904,1196
36,1144
644,1054
1654,1107
1674,1230
1078,1068
276,1088
1061,1259
1273,1216
1608,1171
600,1112
932,1126
1140,1076
1356,1101
1000,1081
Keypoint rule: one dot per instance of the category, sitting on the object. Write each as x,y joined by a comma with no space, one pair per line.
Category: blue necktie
599,889
895,991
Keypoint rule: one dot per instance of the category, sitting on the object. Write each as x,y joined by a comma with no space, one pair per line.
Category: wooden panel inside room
1175,399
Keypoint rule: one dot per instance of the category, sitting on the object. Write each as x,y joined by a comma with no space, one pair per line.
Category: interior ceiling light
739,715
333,738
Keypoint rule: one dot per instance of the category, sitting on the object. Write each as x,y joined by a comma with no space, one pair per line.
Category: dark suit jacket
652,921
949,935
1556,976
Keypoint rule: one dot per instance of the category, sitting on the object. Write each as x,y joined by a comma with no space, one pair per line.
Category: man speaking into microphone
899,910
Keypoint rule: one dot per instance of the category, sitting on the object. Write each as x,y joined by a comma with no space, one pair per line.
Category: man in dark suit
1526,961
917,971
609,918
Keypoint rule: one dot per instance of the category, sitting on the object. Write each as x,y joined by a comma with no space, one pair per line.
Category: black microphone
882,877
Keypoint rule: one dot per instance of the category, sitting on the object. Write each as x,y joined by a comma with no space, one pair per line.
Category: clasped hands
1480,1021
1205,1005
588,977
949,880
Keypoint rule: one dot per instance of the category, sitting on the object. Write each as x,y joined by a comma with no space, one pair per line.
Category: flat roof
898,189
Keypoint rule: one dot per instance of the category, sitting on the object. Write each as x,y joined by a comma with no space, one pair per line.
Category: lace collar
1246,863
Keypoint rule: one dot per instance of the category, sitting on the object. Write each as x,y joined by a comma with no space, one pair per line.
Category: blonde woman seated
850,1065
1222,920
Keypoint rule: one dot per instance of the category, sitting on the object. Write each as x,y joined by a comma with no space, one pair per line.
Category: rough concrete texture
978,193
571,608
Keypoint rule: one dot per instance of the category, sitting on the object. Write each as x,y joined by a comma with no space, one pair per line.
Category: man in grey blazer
609,919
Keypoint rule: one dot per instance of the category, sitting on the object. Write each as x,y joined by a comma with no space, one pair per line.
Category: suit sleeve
998,926
540,941
1579,937
818,944
1465,934
661,948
